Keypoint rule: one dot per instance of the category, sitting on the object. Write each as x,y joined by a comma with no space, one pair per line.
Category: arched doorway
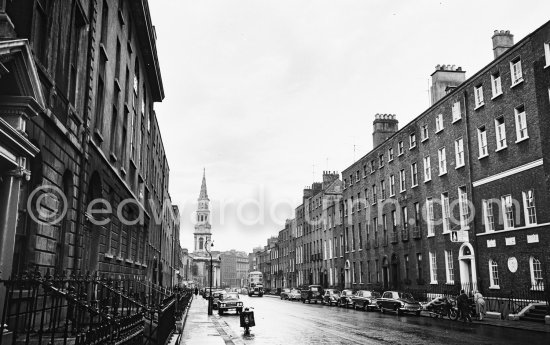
467,265
347,274
385,273
394,272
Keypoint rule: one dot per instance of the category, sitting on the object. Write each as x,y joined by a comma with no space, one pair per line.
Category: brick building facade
472,166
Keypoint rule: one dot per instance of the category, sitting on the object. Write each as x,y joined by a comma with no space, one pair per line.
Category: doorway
385,273
394,272
467,265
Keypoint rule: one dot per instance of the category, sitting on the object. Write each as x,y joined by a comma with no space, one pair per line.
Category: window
114,127
529,207
372,166
424,132
400,149
374,197
416,214
360,272
439,123
459,152
412,140
351,180
104,23
381,161
430,216
515,70
364,170
100,95
482,142
433,268
521,124
496,85
353,272
442,157
464,207
535,267
360,236
493,275
383,189
392,185
500,131
390,154
402,181
489,217
405,217
456,111
414,175
407,269
427,169
508,211
478,96
547,54
446,214
449,267
352,238
357,176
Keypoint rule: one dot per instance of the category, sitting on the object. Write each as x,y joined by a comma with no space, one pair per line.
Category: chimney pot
502,41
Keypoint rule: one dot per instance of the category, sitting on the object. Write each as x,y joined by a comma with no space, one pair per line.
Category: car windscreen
230,296
406,295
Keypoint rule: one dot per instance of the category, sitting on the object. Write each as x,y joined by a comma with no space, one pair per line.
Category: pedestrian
196,290
480,304
464,306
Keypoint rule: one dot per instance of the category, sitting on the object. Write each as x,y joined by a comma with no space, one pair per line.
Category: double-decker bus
255,284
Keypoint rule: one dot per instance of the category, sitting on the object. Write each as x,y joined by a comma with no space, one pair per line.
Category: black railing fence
505,301
85,309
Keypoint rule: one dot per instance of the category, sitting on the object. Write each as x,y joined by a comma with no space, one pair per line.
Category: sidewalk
202,329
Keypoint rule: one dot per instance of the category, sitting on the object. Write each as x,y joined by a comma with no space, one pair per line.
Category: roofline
147,39
459,88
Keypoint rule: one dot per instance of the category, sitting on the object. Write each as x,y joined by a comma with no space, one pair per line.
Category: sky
266,95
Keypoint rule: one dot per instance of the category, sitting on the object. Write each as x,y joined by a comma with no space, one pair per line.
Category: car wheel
366,307
220,312
382,310
398,311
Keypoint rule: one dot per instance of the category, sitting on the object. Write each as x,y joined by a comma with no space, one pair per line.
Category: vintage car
346,298
399,302
366,300
284,293
313,293
294,295
230,301
216,298
331,297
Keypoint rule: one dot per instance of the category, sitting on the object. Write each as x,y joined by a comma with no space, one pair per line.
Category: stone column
9,199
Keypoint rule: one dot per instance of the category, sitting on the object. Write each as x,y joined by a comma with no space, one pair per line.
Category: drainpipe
469,178
80,219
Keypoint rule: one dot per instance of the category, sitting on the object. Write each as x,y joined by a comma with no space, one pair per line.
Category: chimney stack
502,41
444,80
385,125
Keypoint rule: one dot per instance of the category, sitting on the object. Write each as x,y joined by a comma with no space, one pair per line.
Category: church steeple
203,232
204,194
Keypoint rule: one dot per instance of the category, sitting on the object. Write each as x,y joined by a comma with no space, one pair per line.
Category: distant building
234,268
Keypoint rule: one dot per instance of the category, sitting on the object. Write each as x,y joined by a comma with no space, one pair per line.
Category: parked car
399,302
230,301
366,300
313,293
346,298
294,295
284,293
216,298
331,297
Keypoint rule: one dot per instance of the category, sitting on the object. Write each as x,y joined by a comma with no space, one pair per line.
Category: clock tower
203,232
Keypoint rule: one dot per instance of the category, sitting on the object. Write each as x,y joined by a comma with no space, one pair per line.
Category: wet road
286,322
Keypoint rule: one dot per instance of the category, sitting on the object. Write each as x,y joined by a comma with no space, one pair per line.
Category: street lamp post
210,301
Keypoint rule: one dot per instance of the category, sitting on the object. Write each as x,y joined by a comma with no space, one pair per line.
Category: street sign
460,236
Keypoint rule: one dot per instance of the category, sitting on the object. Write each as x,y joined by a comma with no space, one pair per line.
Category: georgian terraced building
473,165
79,80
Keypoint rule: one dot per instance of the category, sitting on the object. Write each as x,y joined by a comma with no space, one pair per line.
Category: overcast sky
267,94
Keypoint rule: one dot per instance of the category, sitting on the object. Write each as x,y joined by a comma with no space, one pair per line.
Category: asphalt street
289,322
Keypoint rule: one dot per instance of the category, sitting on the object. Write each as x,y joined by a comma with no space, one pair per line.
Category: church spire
204,193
